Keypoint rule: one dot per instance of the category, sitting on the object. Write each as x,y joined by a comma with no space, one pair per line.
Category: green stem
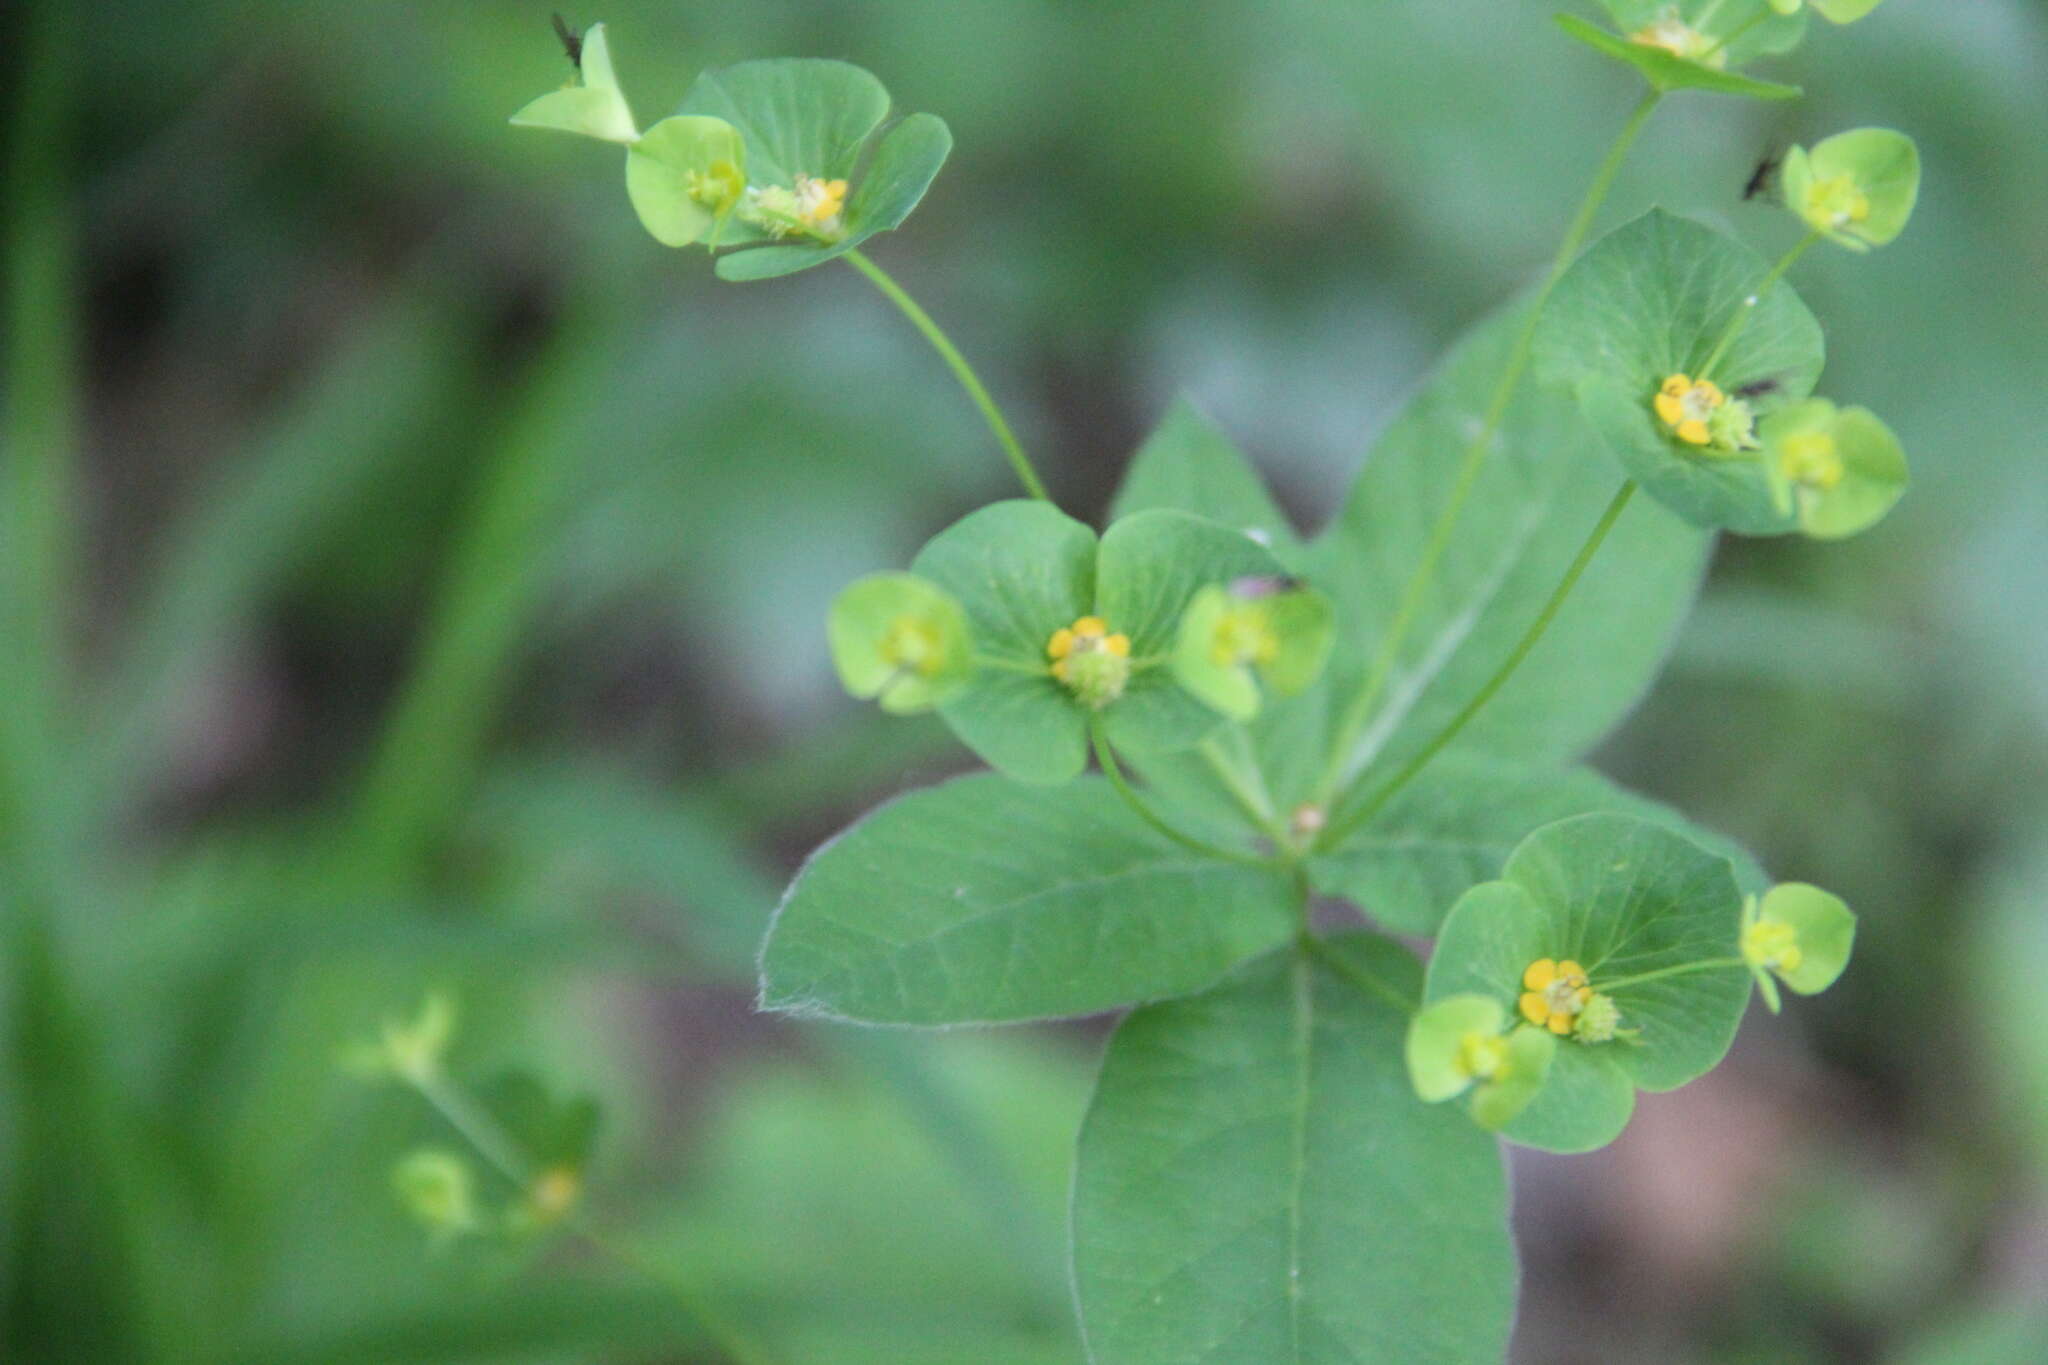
1240,777
503,1152
1747,306
1378,800
1682,969
1115,773
1359,714
962,371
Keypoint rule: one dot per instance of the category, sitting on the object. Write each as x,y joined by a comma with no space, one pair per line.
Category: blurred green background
413,576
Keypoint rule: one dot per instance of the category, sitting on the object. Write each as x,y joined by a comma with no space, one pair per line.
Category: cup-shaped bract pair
1072,632
900,640
1239,640
592,104
1458,1045
1618,938
1678,352
1798,934
1697,46
1857,188
1837,470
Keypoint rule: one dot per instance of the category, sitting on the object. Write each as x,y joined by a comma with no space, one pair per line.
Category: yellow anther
1553,993
1090,637
1773,945
1685,405
818,202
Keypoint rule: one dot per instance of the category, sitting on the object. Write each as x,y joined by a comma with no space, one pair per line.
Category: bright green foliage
1544,487
592,107
1025,572
817,119
1835,11
1856,188
1715,34
685,176
1188,464
1257,1181
1667,70
1255,632
1800,935
1459,822
983,900
1457,1044
1838,470
1653,920
438,1188
1652,302
901,640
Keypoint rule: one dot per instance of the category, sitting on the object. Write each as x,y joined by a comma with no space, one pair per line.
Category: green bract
1652,919
1855,188
1025,572
1835,11
1799,934
594,106
1457,1045
685,176
1251,633
901,640
1674,55
1654,301
1838,470
809,124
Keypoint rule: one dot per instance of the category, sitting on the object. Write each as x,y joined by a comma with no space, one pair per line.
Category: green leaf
1541,492
1022,569
1654,299
1190,465
1458,822
595,107
1150,567
1666,71
1256,1181
981,900
1644,911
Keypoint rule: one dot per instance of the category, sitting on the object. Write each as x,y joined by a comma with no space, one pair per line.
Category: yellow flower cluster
1089,635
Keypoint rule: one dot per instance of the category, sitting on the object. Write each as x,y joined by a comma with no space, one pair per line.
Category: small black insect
1764,177
1255,586
1757,388
572,41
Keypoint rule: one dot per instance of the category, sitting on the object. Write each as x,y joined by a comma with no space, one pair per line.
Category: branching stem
1360,712
1113,770
1746,307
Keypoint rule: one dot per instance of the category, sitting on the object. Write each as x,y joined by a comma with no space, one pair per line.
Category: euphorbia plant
1292,1153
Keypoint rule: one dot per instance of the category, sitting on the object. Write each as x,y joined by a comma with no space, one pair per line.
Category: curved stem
962,371
1359,713
1113,770
1378,800
1744,309
503,1152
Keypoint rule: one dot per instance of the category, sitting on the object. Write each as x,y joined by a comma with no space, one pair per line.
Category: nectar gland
1090,660
1671,33
1772,945
1557,996
1811,460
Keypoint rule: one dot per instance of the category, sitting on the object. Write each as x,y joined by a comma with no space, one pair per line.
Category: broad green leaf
895,180
1256,1181
1151,565
1644,911
982,900
1455,826
1188,464
1651,300
1539,495
1666,71
1022,569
